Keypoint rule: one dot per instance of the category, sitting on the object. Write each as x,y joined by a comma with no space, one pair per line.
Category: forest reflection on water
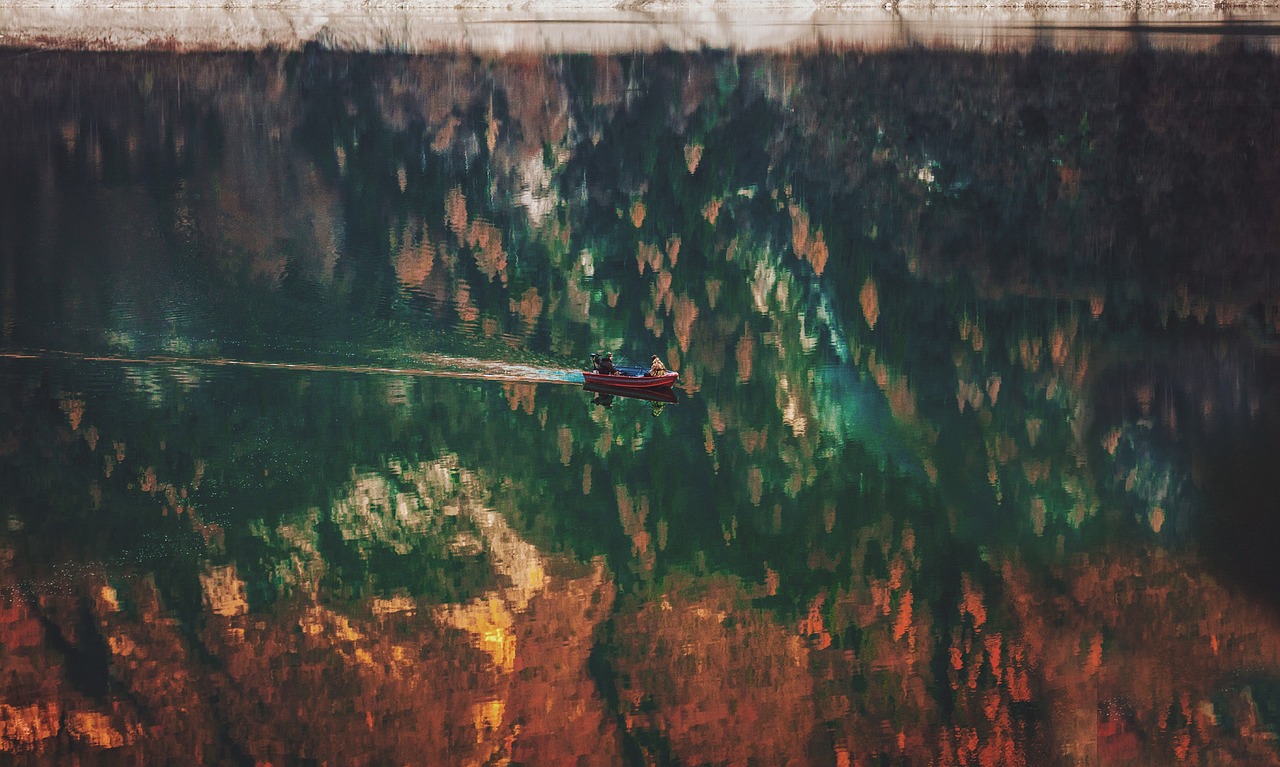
977,408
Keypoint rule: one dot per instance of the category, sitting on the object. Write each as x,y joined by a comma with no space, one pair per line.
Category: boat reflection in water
604,395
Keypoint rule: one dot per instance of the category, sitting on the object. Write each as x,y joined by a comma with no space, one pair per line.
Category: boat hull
631,381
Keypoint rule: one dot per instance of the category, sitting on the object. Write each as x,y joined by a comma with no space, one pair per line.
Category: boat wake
425,365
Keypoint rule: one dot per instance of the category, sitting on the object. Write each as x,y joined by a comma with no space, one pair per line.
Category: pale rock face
537,193
224,591
374,511
303,566
597,26
395,508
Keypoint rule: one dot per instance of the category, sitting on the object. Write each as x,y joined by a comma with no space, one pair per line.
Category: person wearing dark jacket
603,363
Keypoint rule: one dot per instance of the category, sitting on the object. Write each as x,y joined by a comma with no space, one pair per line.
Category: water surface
971,461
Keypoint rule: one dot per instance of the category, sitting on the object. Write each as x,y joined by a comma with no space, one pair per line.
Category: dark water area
971,460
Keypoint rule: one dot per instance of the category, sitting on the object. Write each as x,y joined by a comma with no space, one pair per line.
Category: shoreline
421,26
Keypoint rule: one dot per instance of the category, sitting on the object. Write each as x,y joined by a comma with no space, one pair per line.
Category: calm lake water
973,459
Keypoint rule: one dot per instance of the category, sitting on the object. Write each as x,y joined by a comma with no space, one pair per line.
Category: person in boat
603,363
656,368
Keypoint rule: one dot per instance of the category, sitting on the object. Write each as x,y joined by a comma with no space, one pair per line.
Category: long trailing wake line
433,366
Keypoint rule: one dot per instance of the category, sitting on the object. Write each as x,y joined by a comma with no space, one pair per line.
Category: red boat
631,378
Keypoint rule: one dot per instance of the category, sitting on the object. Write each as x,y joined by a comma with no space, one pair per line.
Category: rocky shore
601,26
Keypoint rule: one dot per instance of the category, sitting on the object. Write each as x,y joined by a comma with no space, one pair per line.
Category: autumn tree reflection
958,335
